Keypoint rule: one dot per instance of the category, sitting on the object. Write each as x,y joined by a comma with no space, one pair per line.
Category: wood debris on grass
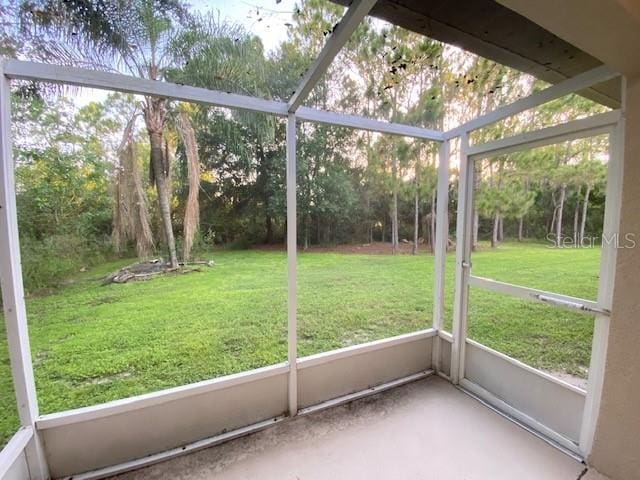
145,270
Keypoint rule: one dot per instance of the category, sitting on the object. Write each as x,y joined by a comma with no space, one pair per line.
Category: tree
591,174
135,37
153,39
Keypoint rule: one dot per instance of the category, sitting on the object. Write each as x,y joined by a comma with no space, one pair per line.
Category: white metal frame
610,123
29,438
292,253
15,313
542,296
607,280
340,35
586,127
463,259
440,251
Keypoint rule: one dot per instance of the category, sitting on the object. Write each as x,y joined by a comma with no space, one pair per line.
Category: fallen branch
146,270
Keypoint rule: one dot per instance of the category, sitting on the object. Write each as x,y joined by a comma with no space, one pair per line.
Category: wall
18,471
131,429
616,448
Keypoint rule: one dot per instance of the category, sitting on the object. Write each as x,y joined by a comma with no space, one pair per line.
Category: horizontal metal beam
80,77
571,85
340,35
332,355
586,127
362,123
19,70
157,398
446,336
564,301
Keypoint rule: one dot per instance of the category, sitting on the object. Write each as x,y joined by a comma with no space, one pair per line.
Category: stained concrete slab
424,430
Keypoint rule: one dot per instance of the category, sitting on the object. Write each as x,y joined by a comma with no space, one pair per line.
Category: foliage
90,346
354,187
63,200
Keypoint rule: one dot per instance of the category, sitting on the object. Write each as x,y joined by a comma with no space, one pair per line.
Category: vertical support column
12,291
292,252
610,241
463,260
442,237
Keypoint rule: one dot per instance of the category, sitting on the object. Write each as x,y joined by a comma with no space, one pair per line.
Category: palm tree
149,39
129,36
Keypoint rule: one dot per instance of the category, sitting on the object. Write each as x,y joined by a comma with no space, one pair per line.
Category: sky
265,18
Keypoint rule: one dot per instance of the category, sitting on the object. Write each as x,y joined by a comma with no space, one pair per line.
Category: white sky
265,18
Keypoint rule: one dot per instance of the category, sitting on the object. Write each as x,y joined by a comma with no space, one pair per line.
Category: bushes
46,263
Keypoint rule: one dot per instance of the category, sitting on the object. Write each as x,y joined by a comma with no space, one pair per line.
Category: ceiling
493,31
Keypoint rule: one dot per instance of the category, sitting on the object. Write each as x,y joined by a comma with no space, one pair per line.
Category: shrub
47,262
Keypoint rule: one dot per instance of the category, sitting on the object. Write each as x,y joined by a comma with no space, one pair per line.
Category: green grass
543,336
94,343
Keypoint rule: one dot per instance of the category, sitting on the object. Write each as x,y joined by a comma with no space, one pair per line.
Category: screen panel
109,315
365,261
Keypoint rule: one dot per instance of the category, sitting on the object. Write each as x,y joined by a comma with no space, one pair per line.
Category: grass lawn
94,343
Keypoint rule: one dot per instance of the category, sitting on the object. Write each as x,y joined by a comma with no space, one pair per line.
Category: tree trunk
268,225
384,231
416,221
494,234
262,181
563,191
425,228
160,177
576,215
154,118
520,229
552,224
501,229
585,207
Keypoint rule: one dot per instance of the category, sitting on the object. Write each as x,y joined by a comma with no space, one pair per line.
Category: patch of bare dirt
570,379
376,248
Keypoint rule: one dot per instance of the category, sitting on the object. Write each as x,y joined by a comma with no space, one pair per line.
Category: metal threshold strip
522,425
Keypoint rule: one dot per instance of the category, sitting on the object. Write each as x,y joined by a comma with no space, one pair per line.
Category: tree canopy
124,173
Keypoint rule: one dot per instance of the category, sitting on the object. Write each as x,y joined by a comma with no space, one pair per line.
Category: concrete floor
424,430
